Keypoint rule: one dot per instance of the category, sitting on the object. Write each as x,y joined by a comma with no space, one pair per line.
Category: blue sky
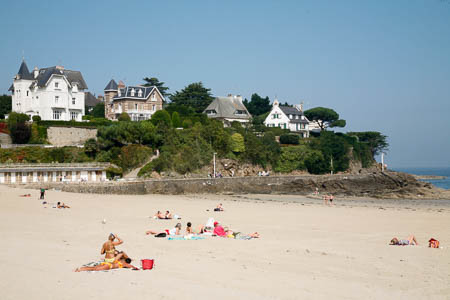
382,65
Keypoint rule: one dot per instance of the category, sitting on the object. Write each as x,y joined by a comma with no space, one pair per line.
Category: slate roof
288,110
226,107
90,100
24,73
126,92
71,76
111,86
11,88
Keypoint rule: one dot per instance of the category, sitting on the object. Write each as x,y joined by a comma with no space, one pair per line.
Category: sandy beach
306,250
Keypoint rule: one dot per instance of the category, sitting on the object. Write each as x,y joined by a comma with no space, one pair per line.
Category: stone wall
70,136
386,185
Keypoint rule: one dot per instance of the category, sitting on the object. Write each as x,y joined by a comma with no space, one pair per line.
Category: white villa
52,93
288,117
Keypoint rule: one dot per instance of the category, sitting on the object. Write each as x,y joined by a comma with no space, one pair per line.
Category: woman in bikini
174,231
109,248
104,266
411,241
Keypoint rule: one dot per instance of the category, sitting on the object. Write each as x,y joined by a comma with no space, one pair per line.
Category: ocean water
441,183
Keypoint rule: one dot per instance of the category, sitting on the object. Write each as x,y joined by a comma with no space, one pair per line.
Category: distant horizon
383,66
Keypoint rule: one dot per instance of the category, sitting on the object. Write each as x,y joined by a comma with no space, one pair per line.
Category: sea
441,183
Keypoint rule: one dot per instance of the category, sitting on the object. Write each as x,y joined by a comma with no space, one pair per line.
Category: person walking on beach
42,193
109,248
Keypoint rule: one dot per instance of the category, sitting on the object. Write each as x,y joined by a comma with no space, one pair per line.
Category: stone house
228,109
139,102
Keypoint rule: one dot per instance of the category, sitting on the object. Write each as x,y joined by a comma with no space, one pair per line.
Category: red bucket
147,264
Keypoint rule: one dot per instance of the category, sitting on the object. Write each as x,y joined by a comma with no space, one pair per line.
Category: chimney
230,95
60,68
121,85
35,72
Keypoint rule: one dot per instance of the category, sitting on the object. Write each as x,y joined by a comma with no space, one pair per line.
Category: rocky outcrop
377,185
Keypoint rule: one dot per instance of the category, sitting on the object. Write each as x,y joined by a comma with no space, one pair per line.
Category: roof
11,88
24,73
227,107
111,86
90,100
288,110
73,77
127,92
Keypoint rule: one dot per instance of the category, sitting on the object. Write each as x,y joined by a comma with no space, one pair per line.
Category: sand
306,250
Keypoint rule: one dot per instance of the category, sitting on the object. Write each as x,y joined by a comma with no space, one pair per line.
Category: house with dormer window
139,102
228,109
53,93
288,117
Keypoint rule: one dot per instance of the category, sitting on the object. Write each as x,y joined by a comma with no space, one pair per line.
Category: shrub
289,139
124,117
132,156
36,118
237,143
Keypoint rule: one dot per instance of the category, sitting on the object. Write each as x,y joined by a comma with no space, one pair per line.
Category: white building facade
52,93
287,117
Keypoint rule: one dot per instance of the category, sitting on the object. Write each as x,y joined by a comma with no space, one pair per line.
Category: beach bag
433,243
147,264
161,235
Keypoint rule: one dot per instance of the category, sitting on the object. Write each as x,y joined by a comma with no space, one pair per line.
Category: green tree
91,147
124,117
325,117
98,111
19,129
153,81
194,95
161,116
176,121
237,143
257,105
376,141
5,105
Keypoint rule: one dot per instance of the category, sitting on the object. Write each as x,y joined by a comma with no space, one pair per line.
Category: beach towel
178,238
210,223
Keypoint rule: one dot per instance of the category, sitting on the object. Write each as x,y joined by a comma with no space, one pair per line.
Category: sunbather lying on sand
59,205
225,232
25,195
219,207
174,231
410,241
118,264
162,216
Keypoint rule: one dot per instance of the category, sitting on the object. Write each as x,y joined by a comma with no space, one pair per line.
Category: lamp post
214,161
382,161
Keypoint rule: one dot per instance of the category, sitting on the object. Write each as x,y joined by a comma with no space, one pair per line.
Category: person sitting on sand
189,229
59,205
168,215
104,266
218,230
174,231
109,248
159,215
219,207
410,241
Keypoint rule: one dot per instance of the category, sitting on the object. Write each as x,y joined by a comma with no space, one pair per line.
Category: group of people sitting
113,259
214,229
165,216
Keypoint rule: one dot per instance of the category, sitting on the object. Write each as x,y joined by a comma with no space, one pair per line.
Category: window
57,114
290,116
211,112
73,101
56,85
296,117
132,92
28,93
56,99
153,107
153,97
140,93
135,106
240,112
37,97
73,115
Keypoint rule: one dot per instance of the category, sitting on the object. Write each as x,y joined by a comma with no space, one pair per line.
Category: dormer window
240,112
56,85
132,92
290,116
153,97
303,117
211,112
296,117
139,93
119,93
